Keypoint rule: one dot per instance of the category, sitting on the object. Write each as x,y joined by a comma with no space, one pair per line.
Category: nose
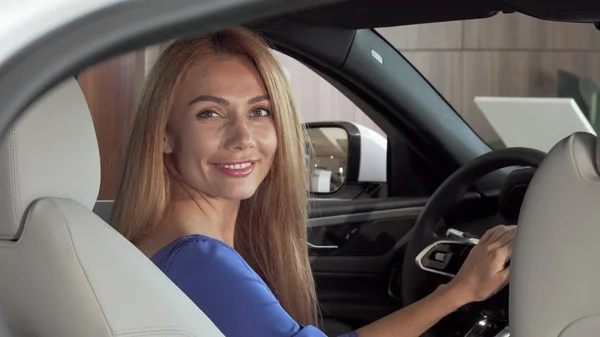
238,135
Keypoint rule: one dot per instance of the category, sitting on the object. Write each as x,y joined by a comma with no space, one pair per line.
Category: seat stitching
15,173
79,261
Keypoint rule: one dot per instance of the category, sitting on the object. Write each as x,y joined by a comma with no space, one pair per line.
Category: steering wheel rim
447,196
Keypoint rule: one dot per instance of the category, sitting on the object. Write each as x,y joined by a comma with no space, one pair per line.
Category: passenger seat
65,271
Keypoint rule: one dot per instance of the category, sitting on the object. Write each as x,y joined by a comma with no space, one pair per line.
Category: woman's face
221,134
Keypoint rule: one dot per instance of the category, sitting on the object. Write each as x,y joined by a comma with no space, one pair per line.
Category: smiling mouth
236,166
237,170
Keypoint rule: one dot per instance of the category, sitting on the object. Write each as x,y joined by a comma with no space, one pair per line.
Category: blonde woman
213,192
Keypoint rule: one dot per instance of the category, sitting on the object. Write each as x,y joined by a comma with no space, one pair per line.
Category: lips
237,169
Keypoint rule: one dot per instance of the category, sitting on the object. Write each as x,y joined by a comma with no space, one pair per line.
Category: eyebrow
221,100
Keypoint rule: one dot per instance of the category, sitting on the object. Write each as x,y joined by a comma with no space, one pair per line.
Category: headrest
51,151
554,279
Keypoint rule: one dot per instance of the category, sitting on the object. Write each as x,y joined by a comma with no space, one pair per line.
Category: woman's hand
481,275
483,272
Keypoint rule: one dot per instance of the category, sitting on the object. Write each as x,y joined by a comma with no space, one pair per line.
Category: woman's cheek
269,140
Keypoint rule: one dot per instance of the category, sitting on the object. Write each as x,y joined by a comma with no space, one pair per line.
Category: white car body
23,22
373,156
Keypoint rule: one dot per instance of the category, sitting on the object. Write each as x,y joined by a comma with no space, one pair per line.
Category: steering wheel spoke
445,257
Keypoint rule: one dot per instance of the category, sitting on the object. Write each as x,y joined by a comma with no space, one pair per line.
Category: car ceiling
359,14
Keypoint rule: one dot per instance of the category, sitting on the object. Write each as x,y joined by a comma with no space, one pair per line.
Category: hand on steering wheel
417,281
484,271
427,257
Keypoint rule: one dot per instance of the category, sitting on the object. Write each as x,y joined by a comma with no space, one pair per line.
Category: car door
356,251
356,231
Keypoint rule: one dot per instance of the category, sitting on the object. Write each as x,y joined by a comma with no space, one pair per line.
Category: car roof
44,41
360,14
22,22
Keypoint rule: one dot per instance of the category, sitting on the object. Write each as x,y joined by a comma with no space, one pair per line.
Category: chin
241,193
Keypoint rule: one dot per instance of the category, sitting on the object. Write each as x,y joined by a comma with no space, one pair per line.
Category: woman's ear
167,148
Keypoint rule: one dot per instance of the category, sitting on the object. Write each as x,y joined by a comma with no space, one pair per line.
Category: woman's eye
208,114
261,113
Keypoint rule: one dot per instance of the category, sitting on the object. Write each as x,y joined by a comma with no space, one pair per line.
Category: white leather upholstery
555,269
50,151
68,273
588,326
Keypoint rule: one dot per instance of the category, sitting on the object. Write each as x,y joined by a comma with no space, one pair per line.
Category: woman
214,192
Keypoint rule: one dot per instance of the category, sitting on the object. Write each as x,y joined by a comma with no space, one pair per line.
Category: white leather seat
555,276
64,271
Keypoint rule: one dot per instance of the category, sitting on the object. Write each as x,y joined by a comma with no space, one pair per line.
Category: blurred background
462,59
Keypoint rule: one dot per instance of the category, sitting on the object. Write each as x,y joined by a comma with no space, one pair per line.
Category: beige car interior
66,272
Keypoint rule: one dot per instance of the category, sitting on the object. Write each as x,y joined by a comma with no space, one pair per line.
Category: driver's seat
65,272
555,269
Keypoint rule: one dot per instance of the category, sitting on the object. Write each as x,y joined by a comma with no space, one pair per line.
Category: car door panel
361,242
358,267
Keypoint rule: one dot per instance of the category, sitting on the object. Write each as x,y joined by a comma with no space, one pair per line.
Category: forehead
223,75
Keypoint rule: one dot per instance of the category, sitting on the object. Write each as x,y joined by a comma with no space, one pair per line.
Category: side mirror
345,153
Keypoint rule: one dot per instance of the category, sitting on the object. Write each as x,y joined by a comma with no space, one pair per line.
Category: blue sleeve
229,292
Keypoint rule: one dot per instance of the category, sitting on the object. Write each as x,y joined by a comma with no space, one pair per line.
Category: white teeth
237,166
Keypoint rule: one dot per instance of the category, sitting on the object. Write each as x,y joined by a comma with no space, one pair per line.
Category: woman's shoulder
200,252
213,275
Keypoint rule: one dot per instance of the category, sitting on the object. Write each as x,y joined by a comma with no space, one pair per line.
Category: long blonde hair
271,231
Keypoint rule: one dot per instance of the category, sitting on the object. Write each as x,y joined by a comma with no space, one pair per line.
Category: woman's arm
482,274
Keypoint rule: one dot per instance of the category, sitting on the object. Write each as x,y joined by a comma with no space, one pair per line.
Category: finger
499,256
502,231
507,237
502,238
497,233
507,251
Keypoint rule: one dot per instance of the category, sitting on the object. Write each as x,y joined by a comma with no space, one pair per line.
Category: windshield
516,80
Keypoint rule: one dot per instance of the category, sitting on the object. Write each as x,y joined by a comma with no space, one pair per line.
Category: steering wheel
429,230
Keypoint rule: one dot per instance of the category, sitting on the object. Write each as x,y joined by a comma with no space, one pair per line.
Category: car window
510,62
319,101
112,89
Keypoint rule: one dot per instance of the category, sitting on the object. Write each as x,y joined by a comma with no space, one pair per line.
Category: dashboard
482,211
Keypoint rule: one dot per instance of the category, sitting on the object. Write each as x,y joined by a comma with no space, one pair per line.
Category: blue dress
228,290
